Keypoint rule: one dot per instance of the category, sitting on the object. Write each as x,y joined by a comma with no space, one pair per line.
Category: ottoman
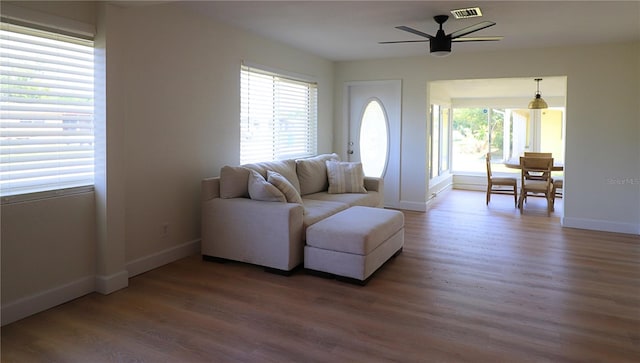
354,243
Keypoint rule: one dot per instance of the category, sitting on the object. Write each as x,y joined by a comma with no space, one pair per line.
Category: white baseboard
108,284
47,299
44,300
148,263
599,225
474,187
413,206
436,192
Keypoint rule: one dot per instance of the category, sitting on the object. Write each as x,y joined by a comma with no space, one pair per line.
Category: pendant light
538,102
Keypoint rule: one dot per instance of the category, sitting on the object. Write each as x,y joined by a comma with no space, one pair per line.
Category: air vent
466,13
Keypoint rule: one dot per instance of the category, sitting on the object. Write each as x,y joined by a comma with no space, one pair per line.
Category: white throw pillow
280,182
260,189
312,173
286,168
233,182
345,177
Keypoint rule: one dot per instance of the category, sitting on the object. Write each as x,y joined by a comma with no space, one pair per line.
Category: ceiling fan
440,45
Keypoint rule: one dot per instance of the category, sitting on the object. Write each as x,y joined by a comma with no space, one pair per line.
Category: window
444,145
439,141
477,131
374,139
46,111
506,133
278,117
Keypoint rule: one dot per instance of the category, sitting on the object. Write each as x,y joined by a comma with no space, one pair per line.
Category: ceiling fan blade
471,29
405,41
414,31
477,39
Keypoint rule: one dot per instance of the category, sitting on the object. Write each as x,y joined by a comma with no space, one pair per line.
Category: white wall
602,175
181,102
47,249
171,118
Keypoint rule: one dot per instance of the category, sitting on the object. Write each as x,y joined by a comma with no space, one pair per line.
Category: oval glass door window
374,139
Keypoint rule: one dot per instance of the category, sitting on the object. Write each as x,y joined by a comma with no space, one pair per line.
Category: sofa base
348,265
276,271
214,259
272,270
350,280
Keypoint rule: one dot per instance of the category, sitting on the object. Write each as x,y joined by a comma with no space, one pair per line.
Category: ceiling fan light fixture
440,53
537,102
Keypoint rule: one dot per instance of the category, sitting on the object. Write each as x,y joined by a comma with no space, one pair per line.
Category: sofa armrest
373,184
210,188
262,233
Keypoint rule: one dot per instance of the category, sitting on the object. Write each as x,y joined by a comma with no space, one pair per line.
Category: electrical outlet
164,230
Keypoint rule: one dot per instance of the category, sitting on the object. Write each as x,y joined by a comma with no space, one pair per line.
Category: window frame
440,142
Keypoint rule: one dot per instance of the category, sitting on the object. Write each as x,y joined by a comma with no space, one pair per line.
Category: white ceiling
351,30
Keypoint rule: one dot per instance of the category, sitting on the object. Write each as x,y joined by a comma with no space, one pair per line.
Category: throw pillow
289,191
286,168
312,173
260,189
233,182
345,177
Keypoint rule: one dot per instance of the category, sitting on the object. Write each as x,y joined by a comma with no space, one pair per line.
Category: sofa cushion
345,177
286,168
284,186
317,210
260,189
357,230
369,199
312,173
233,182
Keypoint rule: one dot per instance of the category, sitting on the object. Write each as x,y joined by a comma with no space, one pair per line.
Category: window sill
29,197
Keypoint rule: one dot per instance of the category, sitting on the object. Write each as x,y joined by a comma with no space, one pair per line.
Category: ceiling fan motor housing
440,43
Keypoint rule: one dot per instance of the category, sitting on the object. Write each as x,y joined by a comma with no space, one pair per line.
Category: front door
374,116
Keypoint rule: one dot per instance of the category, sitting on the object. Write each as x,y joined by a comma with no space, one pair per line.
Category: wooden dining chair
500,185
533,174
536,181
558,183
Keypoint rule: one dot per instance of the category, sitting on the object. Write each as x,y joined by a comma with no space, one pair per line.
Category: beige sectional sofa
240,221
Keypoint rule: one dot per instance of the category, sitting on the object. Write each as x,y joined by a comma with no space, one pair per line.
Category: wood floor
474,284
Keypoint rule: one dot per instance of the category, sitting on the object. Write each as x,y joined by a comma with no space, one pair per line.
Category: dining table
514,163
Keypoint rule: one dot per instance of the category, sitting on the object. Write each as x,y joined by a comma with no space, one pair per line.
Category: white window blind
278,117
46,111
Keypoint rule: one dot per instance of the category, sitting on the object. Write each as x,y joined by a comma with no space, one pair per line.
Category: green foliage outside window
479,130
